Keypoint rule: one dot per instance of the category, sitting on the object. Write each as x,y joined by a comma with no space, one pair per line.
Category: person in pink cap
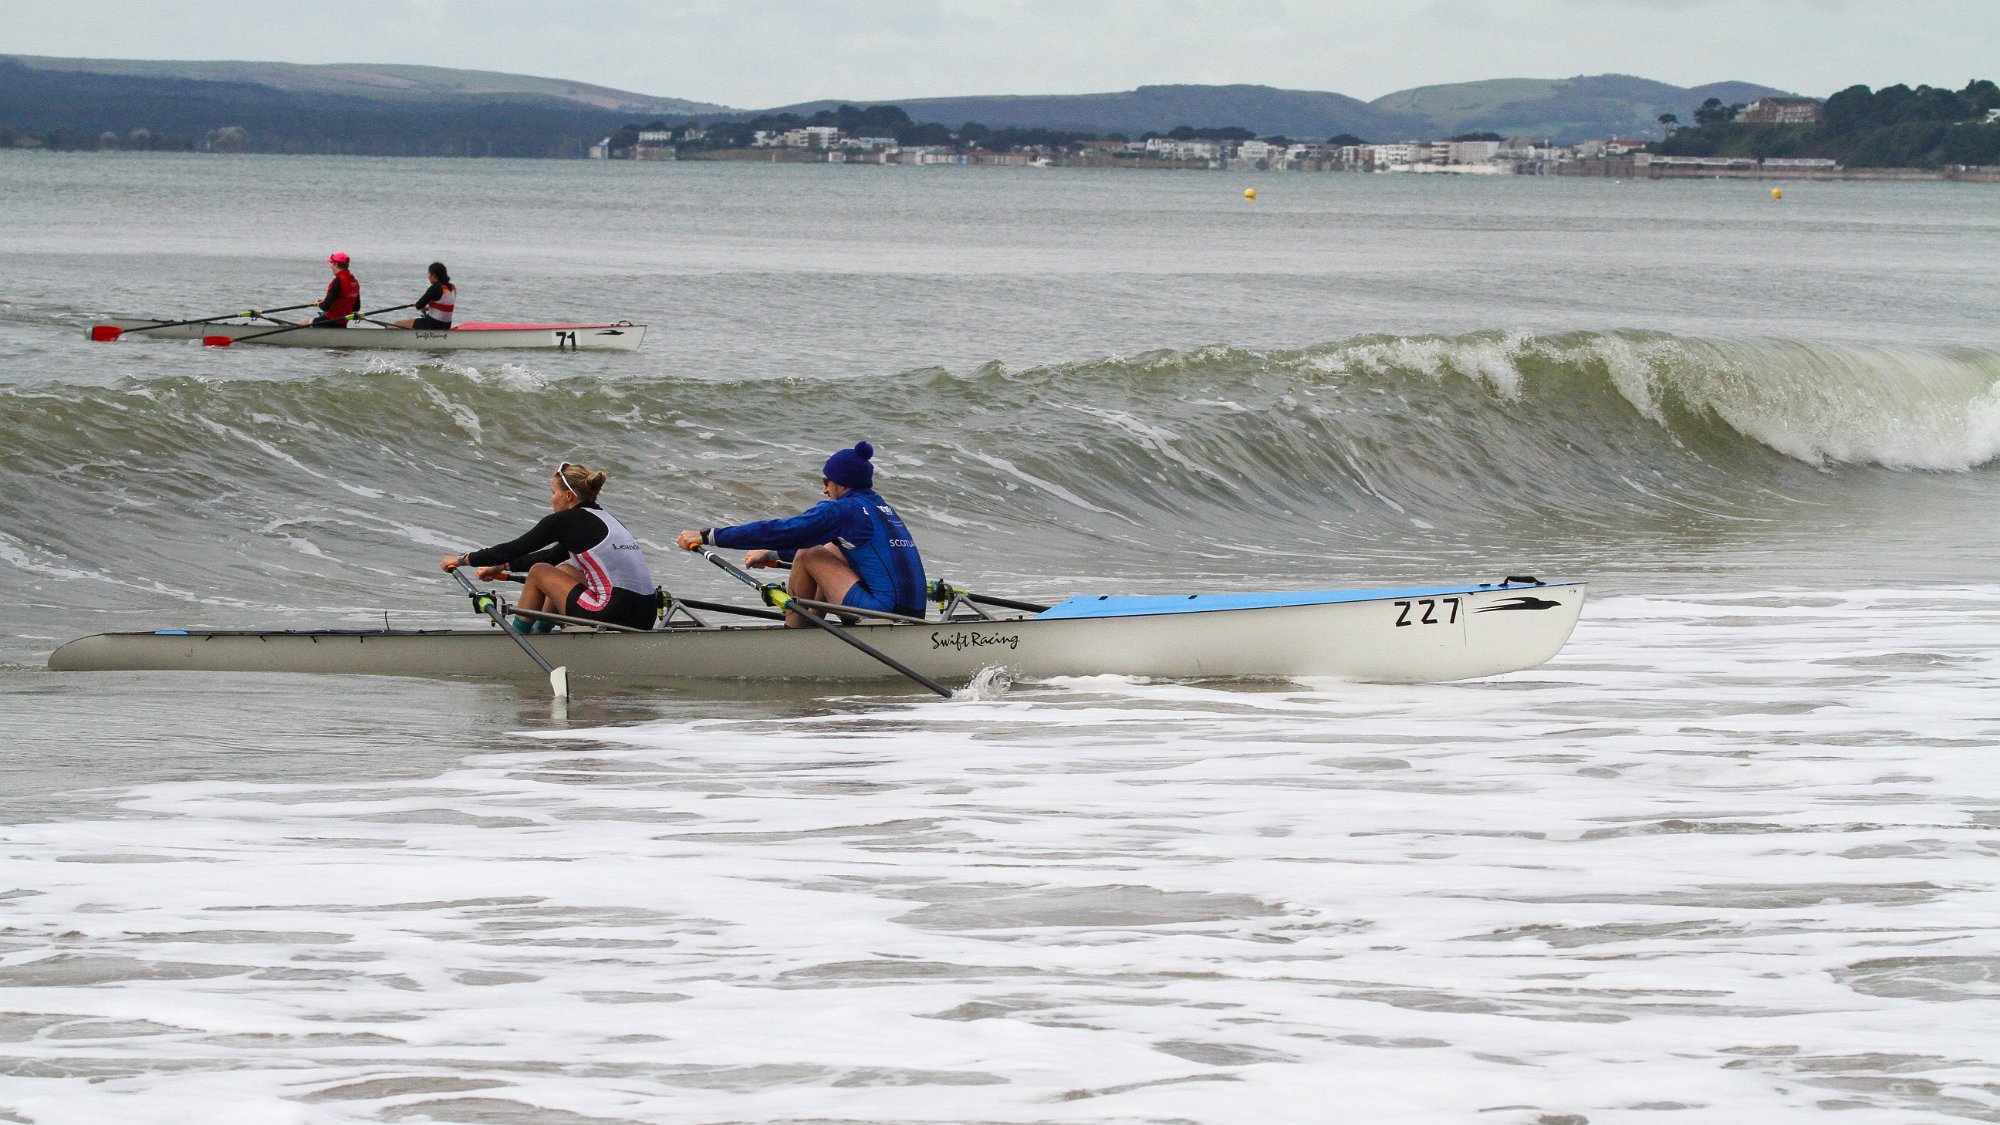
343,295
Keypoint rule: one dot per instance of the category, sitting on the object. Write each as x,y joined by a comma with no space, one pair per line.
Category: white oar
485,602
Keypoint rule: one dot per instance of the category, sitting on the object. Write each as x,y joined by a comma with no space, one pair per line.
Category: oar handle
778,598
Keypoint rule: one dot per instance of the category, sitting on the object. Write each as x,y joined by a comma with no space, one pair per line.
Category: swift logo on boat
971,639
1525,601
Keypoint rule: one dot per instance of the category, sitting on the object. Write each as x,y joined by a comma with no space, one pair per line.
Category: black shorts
329,322
429,325
626,607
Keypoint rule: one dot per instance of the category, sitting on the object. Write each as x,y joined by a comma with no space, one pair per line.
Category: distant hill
68,109
380,81
1266,110
370,108
1566,110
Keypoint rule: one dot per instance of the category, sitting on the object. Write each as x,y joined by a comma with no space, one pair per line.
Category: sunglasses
562,474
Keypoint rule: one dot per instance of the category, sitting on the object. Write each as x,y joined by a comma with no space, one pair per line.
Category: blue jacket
866,529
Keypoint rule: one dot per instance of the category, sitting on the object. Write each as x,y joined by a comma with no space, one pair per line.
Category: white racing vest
617,560
441,309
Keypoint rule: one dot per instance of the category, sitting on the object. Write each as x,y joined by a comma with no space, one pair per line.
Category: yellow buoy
1249,193
1777,193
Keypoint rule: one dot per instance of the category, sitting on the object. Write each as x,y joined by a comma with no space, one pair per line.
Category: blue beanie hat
849,468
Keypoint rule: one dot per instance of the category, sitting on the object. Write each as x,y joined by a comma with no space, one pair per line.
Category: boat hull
464,337
1436,634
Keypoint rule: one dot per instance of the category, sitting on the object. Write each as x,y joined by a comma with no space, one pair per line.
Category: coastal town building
1781,111
1613,157
1470,152
655,144
1258,154
810,136
1167,149
1384,157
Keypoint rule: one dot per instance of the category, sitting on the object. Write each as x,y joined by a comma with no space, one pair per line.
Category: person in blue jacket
850,549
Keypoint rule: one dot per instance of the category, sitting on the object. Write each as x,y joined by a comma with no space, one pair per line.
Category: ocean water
1727,857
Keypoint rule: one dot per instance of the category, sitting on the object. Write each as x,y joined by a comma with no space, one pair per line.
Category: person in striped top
435,307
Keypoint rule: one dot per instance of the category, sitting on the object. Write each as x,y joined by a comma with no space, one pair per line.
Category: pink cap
337,256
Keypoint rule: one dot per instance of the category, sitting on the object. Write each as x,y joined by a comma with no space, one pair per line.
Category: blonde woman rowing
581,562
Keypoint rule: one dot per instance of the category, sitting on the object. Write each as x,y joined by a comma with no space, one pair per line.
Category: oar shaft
943,591
1004,603
741,611
491,606
813,618
112,333
884,657
879,615
982,599
226,340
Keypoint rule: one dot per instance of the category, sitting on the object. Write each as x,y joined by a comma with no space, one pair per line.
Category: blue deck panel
1136,605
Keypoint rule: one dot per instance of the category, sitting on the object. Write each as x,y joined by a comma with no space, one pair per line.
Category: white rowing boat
623,336
1396,636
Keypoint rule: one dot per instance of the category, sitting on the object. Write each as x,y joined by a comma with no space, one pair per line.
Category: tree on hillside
1207,133
1894,127
1668,121
1845,112
1713,112
875,121
929,133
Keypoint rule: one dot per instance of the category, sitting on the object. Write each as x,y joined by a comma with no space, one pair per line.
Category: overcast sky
760,53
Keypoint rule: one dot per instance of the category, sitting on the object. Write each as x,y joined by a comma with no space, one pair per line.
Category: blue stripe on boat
1134,605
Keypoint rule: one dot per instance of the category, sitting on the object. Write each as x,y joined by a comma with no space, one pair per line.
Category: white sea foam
1901,408
1724,860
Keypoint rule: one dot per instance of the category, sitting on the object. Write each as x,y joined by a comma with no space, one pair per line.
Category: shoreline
1628,169
1599,168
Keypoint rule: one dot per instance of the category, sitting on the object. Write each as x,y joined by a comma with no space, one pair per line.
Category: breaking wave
1375,443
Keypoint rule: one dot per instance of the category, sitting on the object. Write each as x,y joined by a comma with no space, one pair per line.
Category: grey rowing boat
1388,635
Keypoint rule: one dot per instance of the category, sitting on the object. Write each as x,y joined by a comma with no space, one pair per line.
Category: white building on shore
1164,148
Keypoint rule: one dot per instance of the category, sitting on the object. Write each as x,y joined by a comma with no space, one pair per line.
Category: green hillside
428,110
378,81
1564,109
1266,110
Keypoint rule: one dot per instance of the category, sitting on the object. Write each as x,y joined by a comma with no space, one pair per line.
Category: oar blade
559,682
105,333
217,341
